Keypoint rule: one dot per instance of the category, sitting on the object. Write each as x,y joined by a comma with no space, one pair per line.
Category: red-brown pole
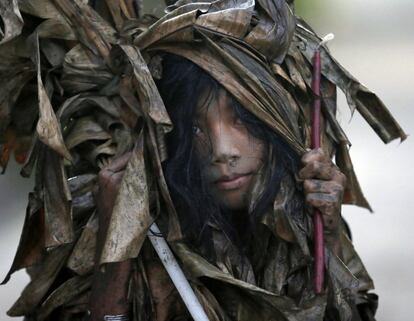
319,257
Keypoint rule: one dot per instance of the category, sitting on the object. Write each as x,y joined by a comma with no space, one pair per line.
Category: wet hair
181,86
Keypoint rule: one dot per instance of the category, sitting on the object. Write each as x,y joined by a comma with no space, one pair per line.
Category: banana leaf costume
77,89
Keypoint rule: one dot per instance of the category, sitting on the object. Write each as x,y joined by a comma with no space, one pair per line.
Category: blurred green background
307,7
374,41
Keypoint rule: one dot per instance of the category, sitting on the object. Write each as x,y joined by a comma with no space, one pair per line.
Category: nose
224,148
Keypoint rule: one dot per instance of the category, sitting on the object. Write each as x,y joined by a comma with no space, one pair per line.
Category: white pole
176,274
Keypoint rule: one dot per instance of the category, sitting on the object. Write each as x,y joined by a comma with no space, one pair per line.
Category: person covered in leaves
227,172
198,121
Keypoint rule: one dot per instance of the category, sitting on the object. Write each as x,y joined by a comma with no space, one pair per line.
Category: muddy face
231,157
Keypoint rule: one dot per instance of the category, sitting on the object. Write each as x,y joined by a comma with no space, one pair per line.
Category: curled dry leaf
85,129
48,128
69,290
57,202
12,20
82,258
131,217
41,282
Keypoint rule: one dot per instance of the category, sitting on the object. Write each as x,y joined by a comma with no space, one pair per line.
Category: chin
234,202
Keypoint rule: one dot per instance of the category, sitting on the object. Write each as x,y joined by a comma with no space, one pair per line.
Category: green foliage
306,8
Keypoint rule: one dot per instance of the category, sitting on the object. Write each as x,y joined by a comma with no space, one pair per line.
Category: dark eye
196,130
238,121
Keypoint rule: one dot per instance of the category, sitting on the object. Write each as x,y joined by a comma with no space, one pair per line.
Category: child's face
229,154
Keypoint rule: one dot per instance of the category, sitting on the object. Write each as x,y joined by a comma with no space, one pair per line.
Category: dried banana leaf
80,104
150,99
57,202
82,73
12,20
44,9
31,245
269,304
82,258
131,217
48,128
81,184
64,294
85,129
54,24
81,188
12,83
41,282
152,107
92,31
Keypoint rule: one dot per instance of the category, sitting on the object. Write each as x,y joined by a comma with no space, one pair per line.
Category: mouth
226,183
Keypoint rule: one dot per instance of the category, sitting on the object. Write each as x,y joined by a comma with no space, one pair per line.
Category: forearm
110,285
110,291
333,240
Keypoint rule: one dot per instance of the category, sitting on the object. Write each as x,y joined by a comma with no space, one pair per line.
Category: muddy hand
324,186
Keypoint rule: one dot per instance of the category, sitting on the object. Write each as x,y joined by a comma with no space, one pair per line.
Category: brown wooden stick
319,257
